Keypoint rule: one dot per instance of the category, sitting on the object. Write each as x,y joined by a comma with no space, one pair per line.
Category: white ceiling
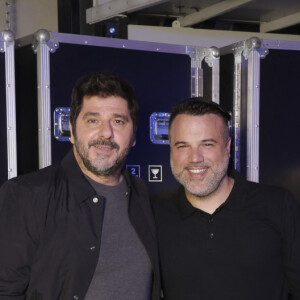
264,15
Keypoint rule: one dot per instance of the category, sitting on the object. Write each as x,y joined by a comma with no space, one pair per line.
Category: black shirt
50,232
248,249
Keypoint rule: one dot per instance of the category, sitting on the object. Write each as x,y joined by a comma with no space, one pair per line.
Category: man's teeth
197,171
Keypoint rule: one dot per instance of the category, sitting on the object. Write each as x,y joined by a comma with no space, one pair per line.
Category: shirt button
211,220
92,248
76,297
95,200
211,235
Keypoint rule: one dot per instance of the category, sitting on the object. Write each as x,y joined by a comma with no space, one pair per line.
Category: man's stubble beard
98,166
212,184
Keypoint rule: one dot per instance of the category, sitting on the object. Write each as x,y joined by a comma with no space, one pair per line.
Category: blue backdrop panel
160,81
3,133
279,120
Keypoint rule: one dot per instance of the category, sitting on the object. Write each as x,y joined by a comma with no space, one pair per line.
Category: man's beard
98,166
210,184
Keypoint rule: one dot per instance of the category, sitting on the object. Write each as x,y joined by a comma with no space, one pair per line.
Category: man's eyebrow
180,143
97,114
90,114
209,140
202,141
124,117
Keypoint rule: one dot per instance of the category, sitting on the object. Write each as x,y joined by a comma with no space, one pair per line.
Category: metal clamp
159,128
61,124
43,36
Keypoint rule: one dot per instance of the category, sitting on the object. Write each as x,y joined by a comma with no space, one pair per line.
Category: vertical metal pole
236,120
256,51
7,46
196,71
216,80
253,116
43,46
212,58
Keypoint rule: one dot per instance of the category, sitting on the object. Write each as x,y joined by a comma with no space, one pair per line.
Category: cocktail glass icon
155,172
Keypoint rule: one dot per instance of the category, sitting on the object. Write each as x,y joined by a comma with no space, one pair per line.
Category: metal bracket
43,36
6,37
212,57
246,47
197,54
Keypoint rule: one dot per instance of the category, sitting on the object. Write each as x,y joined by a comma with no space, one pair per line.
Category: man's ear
71,133
228,146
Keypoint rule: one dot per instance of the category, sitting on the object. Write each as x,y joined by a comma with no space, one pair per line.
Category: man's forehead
208,119
114,102
200,127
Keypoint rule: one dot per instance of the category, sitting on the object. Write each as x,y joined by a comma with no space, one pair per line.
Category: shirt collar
185,208
77,183
80,186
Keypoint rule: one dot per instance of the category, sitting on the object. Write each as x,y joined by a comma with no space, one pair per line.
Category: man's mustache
103,142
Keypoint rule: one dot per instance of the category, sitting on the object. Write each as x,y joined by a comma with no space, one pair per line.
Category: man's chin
111,169
108,169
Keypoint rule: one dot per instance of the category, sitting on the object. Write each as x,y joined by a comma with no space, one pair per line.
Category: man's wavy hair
103,85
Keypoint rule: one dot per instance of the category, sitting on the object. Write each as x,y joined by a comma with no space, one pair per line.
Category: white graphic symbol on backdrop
134,170
155,173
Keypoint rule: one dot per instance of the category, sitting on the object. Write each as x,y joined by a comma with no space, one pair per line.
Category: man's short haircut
198,107
103,85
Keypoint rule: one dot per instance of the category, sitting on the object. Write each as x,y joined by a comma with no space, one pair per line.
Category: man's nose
196,155
106,130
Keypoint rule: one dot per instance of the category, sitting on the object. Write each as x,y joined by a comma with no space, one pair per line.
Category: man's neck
211,202
106,180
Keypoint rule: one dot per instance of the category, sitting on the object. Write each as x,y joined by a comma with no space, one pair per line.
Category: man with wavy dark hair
83,228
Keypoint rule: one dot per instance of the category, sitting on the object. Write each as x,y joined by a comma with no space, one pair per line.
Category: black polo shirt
248,249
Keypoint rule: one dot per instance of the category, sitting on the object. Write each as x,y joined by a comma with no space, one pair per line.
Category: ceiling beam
108,9
280,23
209,12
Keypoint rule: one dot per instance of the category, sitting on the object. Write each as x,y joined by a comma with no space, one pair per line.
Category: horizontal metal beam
209,12
109,9
280,23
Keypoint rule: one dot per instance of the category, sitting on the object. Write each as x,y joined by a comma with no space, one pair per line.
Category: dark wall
26,109
279,120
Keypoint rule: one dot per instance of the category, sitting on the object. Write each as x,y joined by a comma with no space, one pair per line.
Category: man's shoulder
36,177
255,188
30,182
270,194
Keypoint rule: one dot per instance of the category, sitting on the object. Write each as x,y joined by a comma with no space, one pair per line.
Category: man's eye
208,145
92,121
118,121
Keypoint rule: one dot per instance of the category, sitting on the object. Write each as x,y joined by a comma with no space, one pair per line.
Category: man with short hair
83,228
222,237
